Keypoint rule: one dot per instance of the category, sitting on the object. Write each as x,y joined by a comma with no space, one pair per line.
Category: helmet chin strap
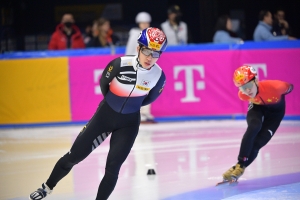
137,59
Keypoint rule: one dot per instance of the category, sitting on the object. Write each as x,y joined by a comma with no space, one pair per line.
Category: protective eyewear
147,52
248,85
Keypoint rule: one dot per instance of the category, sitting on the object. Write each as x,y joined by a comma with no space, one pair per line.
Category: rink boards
53,89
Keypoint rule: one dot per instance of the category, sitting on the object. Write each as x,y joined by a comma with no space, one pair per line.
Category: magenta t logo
97,75
188,71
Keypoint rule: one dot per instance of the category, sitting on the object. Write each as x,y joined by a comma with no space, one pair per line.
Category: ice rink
188,158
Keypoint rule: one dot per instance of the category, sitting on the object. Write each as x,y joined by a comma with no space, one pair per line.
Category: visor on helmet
246,86
148,52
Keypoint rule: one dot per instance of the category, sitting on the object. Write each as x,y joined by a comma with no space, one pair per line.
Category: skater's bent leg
254,126
120,145
63,166
268,130
81,148
261,140
254,121
107,185
61,169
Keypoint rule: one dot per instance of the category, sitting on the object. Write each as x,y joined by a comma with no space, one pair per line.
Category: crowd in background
100,34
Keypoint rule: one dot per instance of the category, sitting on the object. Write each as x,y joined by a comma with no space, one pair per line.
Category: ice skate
40,193
227,176
237,172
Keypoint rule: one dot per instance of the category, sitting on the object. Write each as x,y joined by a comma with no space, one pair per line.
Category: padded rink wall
51,87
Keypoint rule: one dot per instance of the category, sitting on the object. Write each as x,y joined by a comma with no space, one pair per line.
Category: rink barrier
34,90
121,50
68,82
157,119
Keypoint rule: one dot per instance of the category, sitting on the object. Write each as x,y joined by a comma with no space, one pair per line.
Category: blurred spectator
95,30
280,25
103,34
67,35
175,29
263,32
224,33
87,35
143,20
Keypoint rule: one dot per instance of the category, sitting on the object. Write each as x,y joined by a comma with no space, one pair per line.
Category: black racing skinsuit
125,87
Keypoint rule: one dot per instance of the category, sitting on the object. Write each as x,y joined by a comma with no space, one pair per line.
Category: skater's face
147,57
249,89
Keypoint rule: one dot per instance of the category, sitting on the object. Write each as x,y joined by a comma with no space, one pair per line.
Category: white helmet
143,17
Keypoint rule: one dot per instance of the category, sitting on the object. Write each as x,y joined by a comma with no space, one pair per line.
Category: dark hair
279,9
174,9
262,14
221,23
101,21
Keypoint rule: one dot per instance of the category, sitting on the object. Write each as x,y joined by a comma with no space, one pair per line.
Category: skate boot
40,193
237,172
227,174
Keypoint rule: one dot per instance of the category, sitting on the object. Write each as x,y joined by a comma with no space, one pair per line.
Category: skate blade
231,183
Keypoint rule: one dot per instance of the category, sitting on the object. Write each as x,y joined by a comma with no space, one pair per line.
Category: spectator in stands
224,33
67,35
103,34
263,32
280,25
175,29
87,36
143,20
95,31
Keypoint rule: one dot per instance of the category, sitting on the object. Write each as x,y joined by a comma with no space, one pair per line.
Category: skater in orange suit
265,112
